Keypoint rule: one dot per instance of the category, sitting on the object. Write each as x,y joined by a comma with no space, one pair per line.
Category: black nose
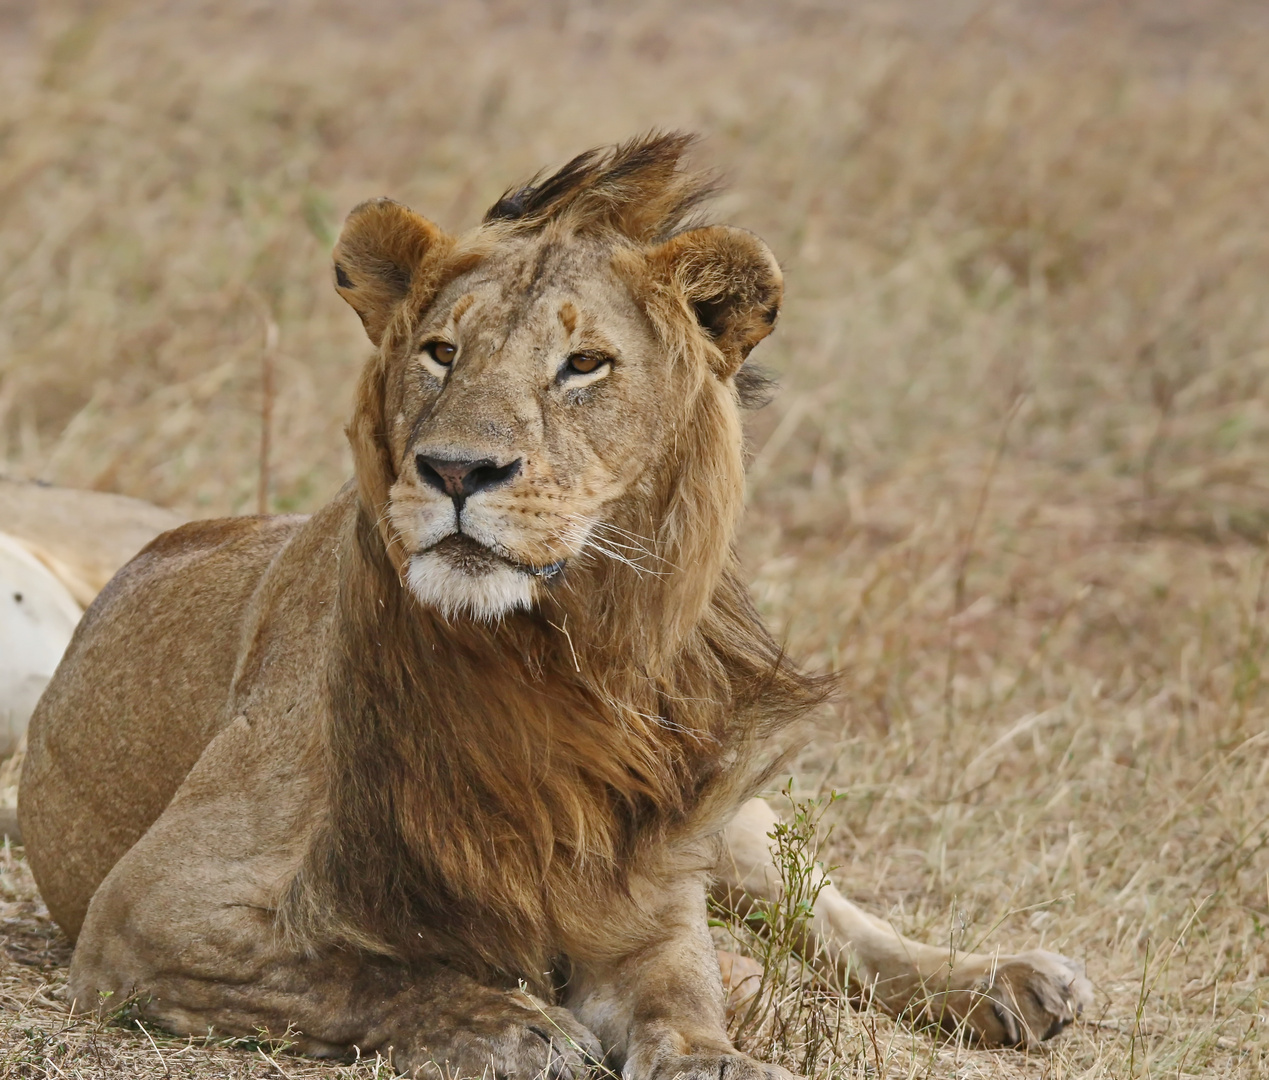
461,477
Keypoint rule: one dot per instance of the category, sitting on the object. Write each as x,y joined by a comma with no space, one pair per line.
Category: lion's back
138,695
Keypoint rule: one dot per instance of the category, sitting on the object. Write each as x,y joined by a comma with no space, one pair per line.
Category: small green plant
795,1016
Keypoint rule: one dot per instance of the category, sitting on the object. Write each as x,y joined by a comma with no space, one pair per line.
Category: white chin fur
486,597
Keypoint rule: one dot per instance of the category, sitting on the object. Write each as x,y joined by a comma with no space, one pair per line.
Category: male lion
440,771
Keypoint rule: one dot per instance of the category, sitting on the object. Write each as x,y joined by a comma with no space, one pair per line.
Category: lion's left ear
731,282
380,249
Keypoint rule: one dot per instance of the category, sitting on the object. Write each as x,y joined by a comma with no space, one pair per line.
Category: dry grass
1015,488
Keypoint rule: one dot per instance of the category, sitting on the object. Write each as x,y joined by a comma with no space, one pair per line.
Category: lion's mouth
471,557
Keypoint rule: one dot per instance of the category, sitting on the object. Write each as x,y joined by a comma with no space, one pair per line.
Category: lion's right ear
380,248
730,281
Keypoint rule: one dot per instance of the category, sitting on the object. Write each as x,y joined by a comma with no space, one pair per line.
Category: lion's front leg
660,1010
192,941
1003,1000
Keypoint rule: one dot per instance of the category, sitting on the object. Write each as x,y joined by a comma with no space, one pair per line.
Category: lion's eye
585,363
438,357
440,351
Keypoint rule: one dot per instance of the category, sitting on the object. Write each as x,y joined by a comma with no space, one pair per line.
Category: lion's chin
484,593
459,576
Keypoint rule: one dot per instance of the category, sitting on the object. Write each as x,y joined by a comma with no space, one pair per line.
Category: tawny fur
533,796
269,788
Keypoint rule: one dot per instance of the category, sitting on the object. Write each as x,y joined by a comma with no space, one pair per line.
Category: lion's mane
489,785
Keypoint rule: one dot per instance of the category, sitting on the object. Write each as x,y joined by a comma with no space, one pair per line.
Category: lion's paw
1023,999
731,1066
529,1041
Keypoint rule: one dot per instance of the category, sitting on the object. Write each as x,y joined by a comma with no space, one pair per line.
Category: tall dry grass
1014,489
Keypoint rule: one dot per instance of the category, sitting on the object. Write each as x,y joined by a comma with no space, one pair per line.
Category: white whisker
584,542
603,547
614,542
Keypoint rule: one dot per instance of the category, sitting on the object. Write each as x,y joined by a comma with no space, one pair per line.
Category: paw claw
1007,1021
514,1037
1034,996
725,1066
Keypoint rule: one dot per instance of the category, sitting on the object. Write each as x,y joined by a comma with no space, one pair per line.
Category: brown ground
1015,489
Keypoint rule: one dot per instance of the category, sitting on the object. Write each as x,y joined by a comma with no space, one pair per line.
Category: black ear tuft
755,386
508,208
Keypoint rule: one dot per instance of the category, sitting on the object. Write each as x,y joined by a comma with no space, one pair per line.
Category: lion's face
523,423
544,401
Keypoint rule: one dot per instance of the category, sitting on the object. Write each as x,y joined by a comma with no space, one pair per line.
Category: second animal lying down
478,724
58,547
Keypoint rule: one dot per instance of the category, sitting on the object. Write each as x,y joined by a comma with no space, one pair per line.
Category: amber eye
440,351
585,363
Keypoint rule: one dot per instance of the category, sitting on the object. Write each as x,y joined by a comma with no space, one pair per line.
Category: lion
80,537
446,770
49,571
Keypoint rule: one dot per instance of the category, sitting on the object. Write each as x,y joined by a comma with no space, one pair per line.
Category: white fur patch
487,596
37,617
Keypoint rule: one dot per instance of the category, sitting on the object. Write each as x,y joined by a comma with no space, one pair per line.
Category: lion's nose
461,477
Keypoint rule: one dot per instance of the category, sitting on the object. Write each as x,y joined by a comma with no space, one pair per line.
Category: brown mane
498,781
639,190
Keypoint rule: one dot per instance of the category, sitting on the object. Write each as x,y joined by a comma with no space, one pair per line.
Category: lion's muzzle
460,478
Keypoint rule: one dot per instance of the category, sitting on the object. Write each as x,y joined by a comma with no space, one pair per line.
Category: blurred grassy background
1015,487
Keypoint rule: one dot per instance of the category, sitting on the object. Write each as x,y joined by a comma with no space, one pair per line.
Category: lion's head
553,401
